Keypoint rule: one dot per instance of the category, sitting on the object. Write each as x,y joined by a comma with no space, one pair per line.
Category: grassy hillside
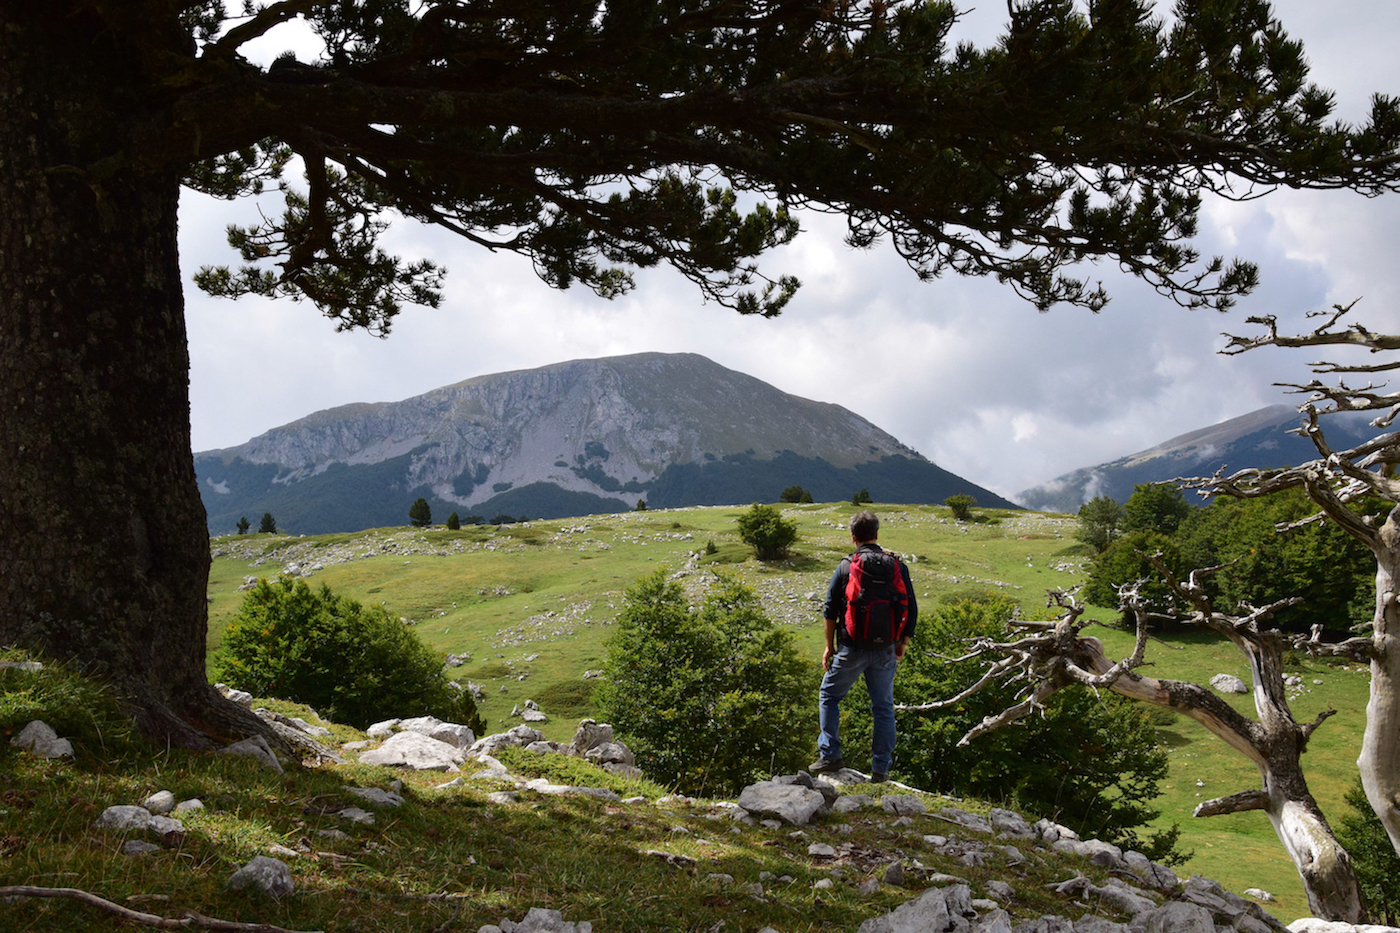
531,605
450,858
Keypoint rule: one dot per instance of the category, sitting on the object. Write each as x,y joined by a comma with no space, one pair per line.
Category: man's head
865,527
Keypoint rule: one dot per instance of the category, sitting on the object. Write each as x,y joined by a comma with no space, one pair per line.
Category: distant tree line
1317,559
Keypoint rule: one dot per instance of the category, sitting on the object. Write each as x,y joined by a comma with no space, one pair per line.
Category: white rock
791,802
160,825
1229,683
39,739
160,803
124,818
376,797
264,874
257,748
356,815
189,806
415,751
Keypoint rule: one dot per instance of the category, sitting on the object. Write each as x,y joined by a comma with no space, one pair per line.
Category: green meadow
528,608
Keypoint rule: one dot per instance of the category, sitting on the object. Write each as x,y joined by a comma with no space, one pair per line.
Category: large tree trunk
1379,761
104,555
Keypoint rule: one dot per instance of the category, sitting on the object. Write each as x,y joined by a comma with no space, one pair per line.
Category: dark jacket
835,606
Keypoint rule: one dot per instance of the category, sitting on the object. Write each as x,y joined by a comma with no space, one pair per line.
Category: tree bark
102,535
1275,744
1379,762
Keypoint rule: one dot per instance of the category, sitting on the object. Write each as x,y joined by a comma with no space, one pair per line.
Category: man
845,661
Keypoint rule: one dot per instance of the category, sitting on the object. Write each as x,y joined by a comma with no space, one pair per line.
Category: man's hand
900,647
827,654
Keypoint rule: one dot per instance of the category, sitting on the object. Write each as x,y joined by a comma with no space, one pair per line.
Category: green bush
764,529
354,664
710,698
961,504
1377,866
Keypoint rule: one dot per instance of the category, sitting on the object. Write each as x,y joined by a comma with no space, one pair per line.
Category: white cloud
962,370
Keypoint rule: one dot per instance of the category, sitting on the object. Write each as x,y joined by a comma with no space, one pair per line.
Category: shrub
764,529
710,698
355,664
961,504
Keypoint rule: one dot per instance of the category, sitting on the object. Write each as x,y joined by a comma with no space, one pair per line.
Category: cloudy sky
969,375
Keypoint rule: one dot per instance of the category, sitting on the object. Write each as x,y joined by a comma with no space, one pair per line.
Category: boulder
416,752
1010,824
519,736
1174,917
927,912
792,803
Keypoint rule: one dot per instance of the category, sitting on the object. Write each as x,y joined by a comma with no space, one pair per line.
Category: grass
449,858
530,606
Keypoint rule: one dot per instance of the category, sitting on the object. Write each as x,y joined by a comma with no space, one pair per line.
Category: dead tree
1335,480
1051,655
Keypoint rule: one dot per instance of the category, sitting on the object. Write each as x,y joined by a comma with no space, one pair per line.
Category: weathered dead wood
186,921
1055,655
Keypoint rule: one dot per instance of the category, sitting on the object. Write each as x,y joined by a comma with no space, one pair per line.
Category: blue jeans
847,665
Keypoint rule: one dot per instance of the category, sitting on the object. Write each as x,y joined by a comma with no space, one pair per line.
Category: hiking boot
824,765
879,777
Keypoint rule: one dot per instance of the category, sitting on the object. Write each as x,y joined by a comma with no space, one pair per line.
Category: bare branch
1235,803
188,919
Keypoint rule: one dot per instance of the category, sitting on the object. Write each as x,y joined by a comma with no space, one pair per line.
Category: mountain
1260,439
573,438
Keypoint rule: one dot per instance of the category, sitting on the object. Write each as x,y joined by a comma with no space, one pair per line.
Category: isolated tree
641,506
420,514
453,522
711,697
1099,519
795,494
243,525
961,505
268,524
590,137
861,498
764,529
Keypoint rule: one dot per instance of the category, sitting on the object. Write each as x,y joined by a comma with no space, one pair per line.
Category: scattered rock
790,802
139,847
39,739
539,920
417,752
376,797
1229,683
124,818
255,748
263,874
160,803
904,805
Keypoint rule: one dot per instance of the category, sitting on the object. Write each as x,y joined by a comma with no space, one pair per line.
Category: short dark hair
865,526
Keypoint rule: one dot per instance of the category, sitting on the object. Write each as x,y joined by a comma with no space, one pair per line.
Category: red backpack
877,601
